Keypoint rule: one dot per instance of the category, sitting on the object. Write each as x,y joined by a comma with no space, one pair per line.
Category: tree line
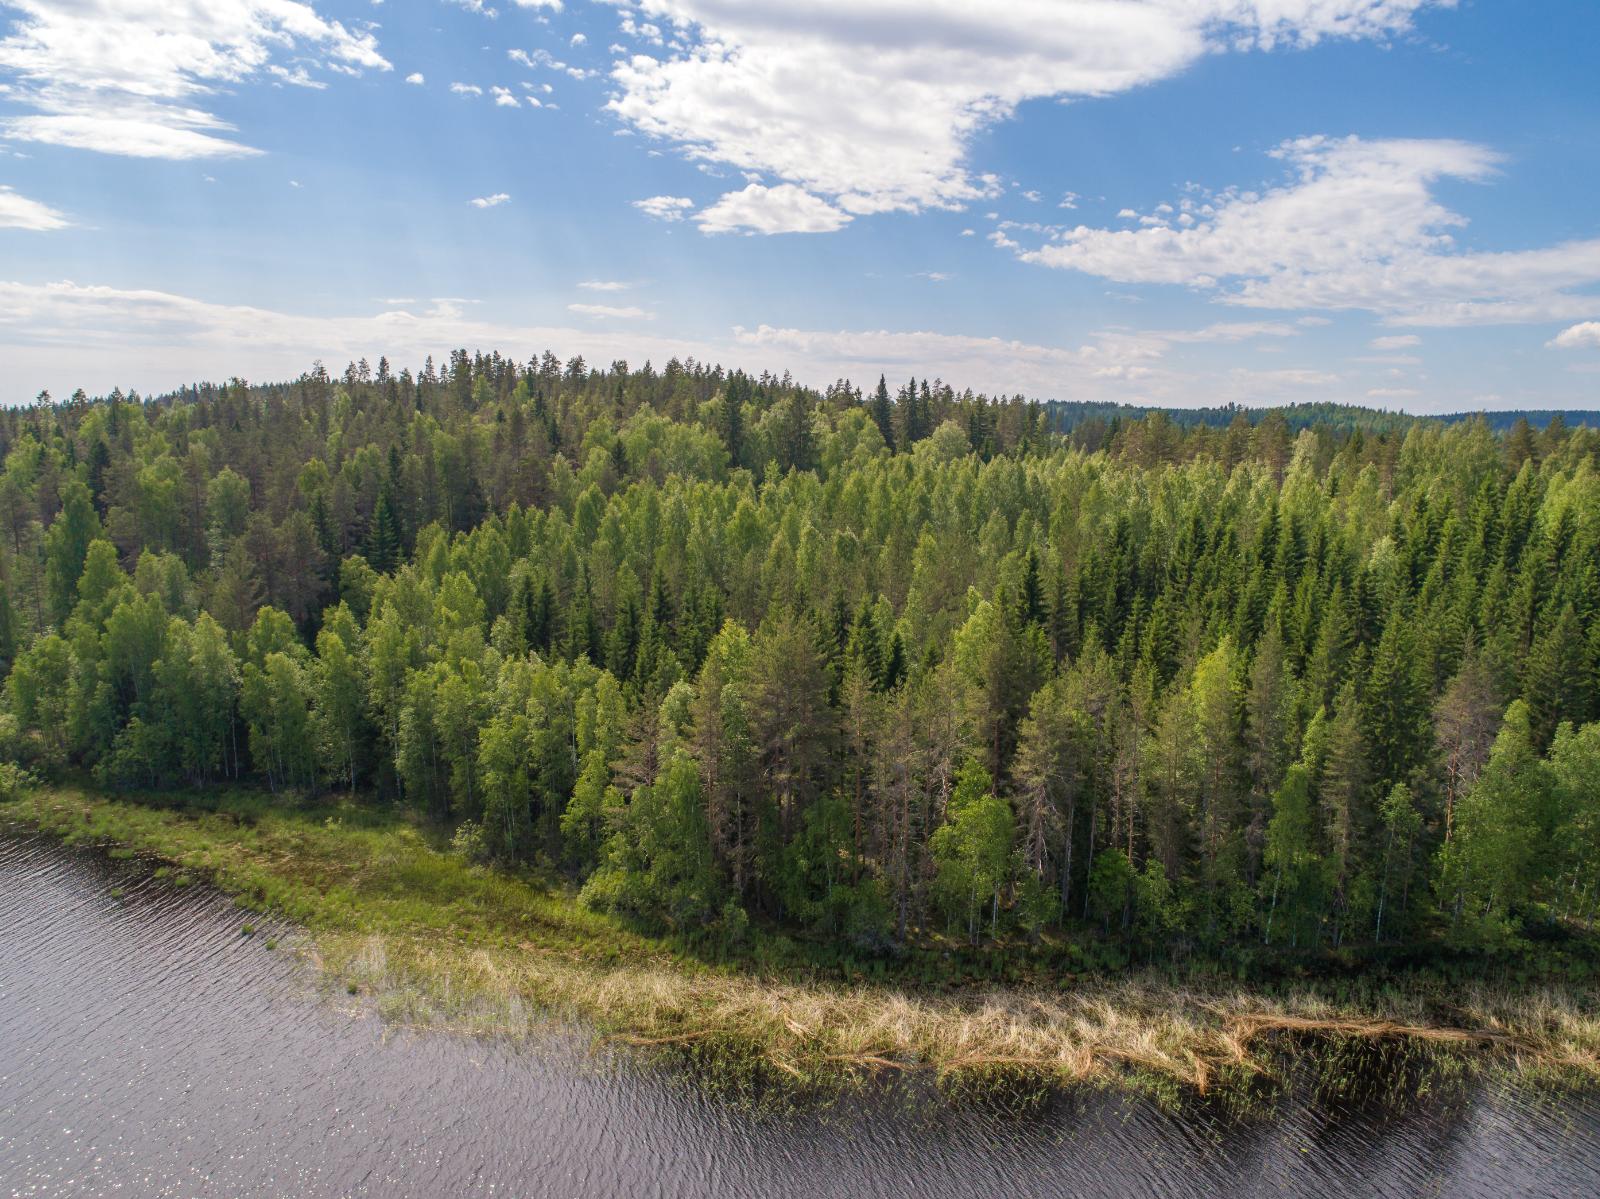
867,662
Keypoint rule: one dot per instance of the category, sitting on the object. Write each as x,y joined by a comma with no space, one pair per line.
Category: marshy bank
432,942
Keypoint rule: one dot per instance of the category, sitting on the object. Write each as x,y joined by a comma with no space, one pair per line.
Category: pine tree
1558,681
883,413
383,548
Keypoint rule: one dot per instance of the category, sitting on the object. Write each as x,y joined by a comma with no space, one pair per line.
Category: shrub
15,782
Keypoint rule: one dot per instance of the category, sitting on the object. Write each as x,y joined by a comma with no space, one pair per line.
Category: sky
1173,202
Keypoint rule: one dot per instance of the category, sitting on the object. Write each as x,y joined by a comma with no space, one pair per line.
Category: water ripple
148,1048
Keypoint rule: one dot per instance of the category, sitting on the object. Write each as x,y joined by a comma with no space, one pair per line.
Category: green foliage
731,652
1296,879
1112,885
15,782
972,852
1490,873
67,545
658,865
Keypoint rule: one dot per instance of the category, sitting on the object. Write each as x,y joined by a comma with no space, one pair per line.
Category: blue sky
1181,202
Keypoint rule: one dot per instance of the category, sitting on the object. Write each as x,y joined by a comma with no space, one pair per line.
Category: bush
15,782
470,841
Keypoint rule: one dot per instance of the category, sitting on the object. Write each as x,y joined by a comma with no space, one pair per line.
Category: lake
147,1047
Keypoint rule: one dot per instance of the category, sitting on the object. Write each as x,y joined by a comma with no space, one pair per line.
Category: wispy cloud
1356,226
607,311
665,208
19,212
65,335
125,78
493,201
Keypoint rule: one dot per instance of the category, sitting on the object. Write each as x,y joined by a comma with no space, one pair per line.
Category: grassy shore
436,942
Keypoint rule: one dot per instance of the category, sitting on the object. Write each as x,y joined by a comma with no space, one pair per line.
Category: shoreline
436,943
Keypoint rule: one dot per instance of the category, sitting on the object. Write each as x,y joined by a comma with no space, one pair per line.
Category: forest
870,665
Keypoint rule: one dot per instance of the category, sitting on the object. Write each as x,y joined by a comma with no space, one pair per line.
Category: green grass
436,942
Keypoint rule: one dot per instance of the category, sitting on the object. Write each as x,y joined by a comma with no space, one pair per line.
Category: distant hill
1537,417
1068,415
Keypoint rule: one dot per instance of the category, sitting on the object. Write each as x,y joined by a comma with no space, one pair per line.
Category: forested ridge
870,663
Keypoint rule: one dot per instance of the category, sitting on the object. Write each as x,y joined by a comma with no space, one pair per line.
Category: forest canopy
866,663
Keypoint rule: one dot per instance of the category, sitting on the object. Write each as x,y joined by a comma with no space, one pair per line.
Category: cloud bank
872,104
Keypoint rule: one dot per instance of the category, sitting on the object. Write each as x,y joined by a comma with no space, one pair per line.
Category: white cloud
493,201
543,58
19,212
1585,335
607,310
873,103
782,209
296,76
1356,226
665,208
466,89
124,76
1121,365
143,131
1270,383
64,335
604,285
416,78
1231,331
1392,393
1002,364
1400,341
578,39
504,98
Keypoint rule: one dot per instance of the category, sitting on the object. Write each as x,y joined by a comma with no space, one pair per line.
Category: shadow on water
148,1046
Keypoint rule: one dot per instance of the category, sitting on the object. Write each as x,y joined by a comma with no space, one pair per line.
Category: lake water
148,1048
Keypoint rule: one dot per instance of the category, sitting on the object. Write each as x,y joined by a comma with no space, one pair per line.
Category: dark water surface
148,1048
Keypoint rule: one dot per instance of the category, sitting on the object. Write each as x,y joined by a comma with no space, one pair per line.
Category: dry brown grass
1137,1030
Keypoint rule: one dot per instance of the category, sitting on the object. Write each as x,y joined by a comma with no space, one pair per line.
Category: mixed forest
866,664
